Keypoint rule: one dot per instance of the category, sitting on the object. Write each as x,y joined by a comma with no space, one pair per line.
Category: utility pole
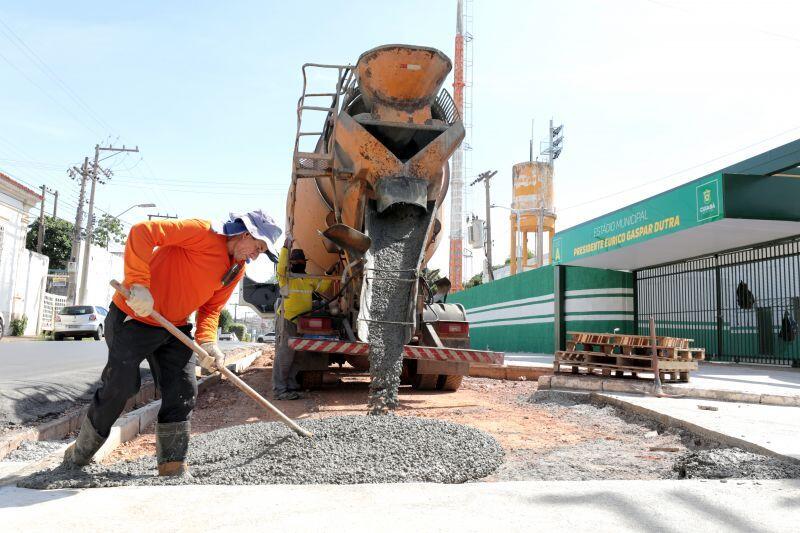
72,267
40,241
55,204
485,177
90,216
42,224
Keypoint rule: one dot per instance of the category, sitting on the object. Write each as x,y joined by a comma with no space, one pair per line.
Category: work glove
141,301
216,359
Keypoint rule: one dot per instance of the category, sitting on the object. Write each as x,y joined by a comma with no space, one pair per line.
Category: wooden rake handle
196,348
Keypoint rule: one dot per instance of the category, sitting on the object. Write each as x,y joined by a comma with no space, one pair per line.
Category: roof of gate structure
753,201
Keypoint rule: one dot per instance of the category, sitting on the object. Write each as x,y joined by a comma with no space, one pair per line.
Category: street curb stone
597,384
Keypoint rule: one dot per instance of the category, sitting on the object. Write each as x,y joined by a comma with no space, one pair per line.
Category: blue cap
258,224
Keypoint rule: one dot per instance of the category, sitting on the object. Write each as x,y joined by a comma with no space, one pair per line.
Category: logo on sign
708,200
556,250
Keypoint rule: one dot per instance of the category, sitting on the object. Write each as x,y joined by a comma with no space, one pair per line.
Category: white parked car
78,321
266,337
230,336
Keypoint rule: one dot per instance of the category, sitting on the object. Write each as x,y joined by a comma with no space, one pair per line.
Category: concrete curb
510,372
64,425
670,421
597,384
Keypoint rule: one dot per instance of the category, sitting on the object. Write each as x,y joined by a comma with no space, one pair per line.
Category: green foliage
238,330
18,326
431,276
57,241
108,229
530,256
225,320
474,281
247,337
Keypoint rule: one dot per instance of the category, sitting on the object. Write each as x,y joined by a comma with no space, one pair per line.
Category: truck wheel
425,381
449,383
310,379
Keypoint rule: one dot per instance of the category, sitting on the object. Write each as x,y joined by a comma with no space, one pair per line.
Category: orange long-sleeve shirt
183,263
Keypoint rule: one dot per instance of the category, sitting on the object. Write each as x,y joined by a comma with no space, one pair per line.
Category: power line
37,60
747,26
662,178
48,95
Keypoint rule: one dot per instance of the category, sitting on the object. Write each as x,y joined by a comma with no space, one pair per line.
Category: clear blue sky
648,89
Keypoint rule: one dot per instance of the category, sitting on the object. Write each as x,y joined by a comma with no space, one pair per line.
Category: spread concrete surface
774,428
596,506
344,450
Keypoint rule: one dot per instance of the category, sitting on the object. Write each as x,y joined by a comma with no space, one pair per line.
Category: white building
22,273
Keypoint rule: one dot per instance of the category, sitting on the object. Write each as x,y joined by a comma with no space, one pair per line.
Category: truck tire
310,379
449,383
425,381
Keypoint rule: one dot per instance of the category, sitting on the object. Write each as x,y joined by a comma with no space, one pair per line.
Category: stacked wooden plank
623,354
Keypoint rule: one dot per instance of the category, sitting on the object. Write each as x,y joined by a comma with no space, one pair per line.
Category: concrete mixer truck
370,176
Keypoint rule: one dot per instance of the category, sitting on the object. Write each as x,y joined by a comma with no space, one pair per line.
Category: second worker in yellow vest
296,299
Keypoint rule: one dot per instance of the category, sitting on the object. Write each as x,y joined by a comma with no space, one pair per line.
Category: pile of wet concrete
344,450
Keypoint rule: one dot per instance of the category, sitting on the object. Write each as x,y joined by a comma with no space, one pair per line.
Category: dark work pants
171,363
284,369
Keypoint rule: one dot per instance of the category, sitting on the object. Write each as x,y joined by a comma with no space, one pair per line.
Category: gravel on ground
344,450
33,450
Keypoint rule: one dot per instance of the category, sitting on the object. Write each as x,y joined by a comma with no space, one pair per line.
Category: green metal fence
531,311
735,304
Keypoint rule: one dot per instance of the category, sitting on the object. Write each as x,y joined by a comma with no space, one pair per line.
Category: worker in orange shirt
175,267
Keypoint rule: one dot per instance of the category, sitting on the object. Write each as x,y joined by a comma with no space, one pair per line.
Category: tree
108,229
474,281
57,241
529,254
431,276
225,320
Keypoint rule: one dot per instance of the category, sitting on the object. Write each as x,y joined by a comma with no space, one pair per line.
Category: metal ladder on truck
319,163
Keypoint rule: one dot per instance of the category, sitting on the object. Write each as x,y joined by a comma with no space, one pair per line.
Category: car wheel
99,333
57,337
2,330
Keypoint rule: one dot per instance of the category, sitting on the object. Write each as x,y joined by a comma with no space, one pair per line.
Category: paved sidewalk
771,429
594,506
750,379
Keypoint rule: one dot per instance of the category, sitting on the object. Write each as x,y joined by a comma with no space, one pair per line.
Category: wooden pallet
619,363
592,370
667,347
623,361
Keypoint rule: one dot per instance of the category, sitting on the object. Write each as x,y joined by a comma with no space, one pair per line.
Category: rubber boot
81,451
172,445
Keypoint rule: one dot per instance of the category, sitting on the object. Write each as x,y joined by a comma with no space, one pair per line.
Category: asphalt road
39,379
